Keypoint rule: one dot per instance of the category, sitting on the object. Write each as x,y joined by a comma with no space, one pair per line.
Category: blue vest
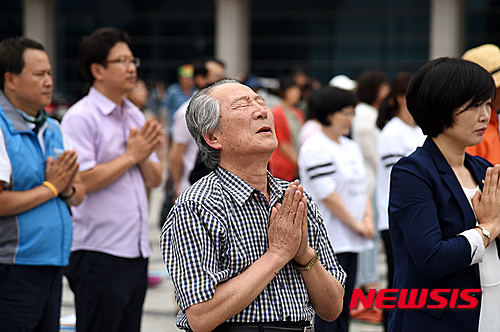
42,235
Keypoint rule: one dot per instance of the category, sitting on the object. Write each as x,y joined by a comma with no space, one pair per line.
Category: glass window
11,23
165,34
482,27
327,38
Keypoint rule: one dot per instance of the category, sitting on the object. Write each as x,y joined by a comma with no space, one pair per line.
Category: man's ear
97,71
9,81
212,141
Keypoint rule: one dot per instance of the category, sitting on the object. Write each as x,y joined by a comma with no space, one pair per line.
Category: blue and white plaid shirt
217,229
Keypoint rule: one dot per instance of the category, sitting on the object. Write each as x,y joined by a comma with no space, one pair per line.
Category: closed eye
240,106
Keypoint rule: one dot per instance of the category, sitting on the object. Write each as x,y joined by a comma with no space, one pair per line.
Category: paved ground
160,308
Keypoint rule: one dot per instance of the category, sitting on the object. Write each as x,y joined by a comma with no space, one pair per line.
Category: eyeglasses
125,61
348,113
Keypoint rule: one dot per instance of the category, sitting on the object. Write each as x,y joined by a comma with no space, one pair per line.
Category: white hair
202,118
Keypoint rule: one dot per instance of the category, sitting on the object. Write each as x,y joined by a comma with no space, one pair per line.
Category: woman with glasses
332,171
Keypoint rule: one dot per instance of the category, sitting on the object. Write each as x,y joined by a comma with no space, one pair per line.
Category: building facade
262,37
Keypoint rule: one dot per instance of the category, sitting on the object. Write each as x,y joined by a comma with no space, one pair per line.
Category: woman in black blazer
444,205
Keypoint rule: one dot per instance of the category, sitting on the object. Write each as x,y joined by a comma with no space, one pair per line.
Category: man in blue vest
38,181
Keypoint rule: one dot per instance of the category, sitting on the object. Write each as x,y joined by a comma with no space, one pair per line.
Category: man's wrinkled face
246,123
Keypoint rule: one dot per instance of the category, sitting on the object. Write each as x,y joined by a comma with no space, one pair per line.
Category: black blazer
427,210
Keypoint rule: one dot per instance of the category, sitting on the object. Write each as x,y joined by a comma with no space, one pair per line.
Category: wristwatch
486,233
310,265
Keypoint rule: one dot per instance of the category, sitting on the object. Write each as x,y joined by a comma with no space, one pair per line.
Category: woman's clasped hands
486,204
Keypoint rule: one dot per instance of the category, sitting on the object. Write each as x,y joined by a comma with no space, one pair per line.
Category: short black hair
369,84
443,85
329,100
12,55
95,48
286,82
200,67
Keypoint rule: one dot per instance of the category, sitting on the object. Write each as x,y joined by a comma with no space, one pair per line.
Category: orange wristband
51,187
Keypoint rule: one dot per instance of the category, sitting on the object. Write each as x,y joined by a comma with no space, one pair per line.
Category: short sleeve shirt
181,135
5,166
217,229
326,167
396,140
114,219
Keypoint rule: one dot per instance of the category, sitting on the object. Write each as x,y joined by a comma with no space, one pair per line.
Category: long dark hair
389,107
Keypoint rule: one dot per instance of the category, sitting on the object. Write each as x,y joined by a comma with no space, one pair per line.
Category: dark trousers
30,298
349,262
109,291
390,269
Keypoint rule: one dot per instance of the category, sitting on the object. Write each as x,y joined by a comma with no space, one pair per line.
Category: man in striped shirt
241,246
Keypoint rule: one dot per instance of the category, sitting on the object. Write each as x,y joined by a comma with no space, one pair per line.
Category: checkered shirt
217,229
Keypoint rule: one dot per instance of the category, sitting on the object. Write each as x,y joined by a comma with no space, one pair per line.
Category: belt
265,327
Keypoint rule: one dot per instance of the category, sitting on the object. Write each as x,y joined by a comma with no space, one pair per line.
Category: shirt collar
276,191
105,105
21,121
241,190
39,120
235,186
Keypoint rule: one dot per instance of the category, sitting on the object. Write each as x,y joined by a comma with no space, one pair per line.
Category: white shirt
326,167
396,140
308,129
366,133
5,166
489,272
181,135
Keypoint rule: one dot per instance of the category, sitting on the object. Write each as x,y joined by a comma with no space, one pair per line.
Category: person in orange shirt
488,56
288,119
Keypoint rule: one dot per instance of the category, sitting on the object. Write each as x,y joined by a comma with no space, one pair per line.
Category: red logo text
415,298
